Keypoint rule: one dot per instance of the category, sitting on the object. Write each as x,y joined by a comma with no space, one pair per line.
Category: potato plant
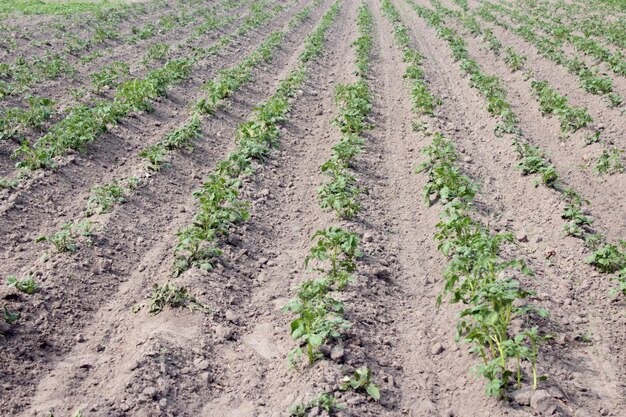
354,101
479,278
26,285
551,102
85,123
219,204
319,315
104,197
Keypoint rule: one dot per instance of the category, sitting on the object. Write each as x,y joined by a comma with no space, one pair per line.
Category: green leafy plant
175,297
110,76
325,401
156,52
26,285
361,380
609,258
104,197
610,162
514,60
320,316
9,317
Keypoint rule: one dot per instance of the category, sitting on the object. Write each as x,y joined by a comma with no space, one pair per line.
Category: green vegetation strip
532,159
31,7
477,275
86,123
320,318
219,205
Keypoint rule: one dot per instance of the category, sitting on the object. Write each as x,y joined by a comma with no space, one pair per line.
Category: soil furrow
60,197
511,202
134,253
566,155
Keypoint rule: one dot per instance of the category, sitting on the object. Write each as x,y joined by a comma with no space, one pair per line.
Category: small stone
582,413
264,192
150,392
337,353
543,403
467,159
163,402
202,364
232,316
367,237
80,338
437,349
522,397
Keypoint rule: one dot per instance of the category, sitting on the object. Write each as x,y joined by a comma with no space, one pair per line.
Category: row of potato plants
224,84
550,101
591,81
477,275
220,207
320,317
27,72
532,159
591,21
354,101
86,123
14,122
562,33
105,197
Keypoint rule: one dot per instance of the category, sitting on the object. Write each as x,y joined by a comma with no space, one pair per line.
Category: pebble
437,349
337,353
543,403
150,392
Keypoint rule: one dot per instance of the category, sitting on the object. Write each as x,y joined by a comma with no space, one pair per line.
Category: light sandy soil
79,345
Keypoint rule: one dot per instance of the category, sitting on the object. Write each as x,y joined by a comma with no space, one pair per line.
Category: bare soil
85,342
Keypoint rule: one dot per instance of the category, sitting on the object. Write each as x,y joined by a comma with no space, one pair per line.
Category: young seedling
610,162
338,247
361,380
25,285
325,401
104,197
9,317
175,297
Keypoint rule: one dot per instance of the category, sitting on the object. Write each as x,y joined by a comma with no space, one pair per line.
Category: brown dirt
78,345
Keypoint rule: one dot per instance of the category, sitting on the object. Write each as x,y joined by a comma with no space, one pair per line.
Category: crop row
17,122
532,159
571,118
590,21
320,317
477,276
26,72
103,198
86,123
589,80
219,205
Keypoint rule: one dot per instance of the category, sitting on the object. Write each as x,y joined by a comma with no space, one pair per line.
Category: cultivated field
273,208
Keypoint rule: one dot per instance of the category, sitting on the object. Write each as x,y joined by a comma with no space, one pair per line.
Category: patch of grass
56,7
